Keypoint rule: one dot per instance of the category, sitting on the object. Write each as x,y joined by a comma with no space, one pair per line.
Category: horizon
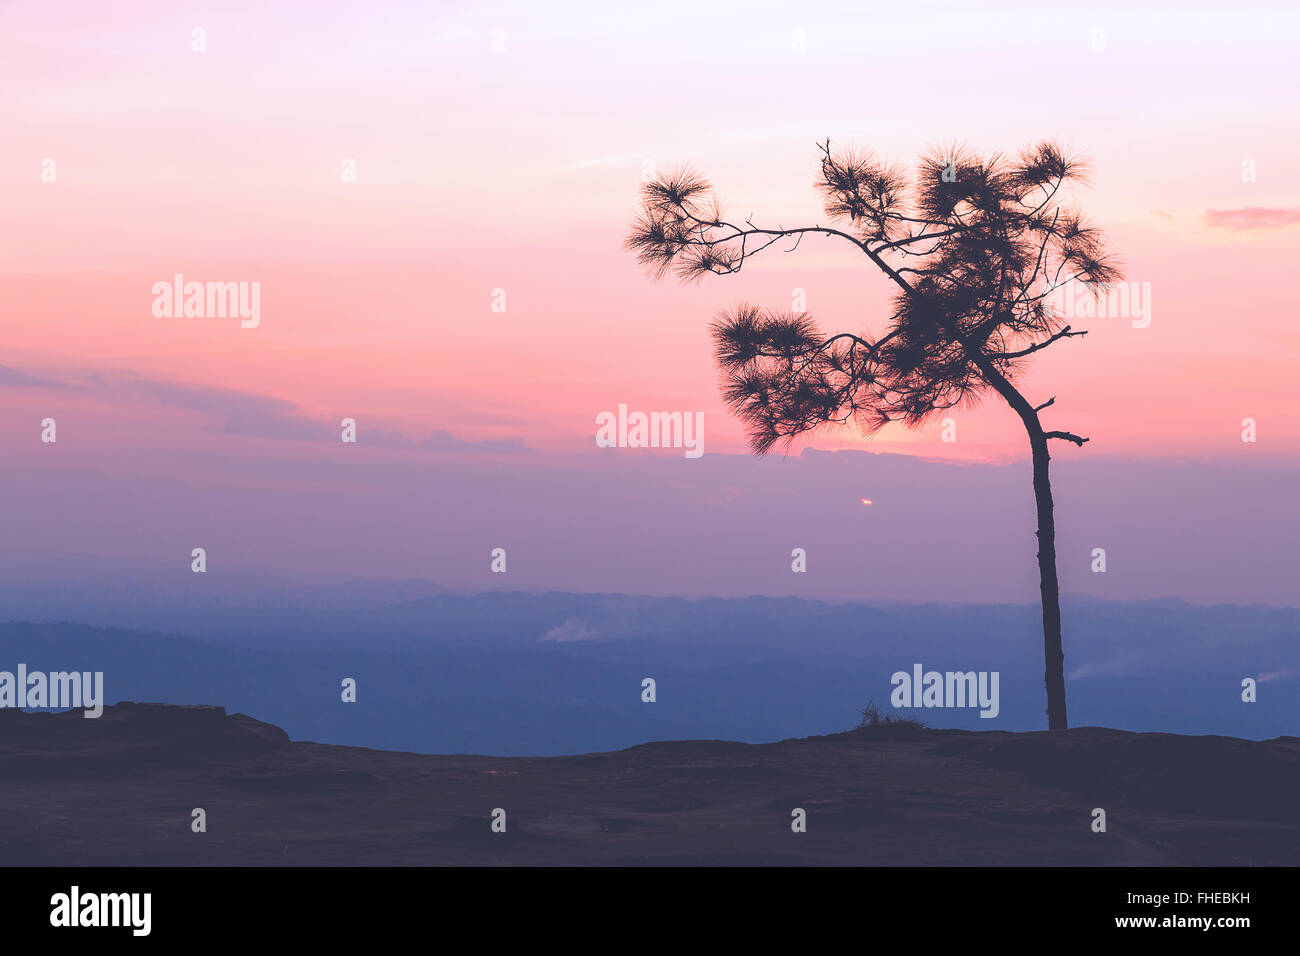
258,602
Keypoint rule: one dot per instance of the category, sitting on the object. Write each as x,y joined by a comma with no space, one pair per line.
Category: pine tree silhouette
976,248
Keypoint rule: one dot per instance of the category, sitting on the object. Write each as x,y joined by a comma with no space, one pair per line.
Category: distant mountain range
558,673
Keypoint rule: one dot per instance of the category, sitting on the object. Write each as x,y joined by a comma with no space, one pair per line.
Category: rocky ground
120,790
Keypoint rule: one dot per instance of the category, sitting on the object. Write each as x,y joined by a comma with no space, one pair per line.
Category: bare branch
1067,436
1065,333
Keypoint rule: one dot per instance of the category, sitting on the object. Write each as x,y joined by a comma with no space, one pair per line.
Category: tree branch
1065,333
1067,436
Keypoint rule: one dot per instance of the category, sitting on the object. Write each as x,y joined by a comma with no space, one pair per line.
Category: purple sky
645,522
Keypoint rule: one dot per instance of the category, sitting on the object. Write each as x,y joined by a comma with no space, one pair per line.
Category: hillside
120,790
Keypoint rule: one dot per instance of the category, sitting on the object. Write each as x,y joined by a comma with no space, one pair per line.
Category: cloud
571,630
1270,676
252,414
12,378
241,413
1252,217
440,441
446,441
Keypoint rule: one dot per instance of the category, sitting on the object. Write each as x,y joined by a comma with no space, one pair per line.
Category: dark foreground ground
120,790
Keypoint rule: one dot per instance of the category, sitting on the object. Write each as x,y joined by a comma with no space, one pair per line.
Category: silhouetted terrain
120,790
544,674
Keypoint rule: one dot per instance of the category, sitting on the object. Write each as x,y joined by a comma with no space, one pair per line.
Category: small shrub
873,716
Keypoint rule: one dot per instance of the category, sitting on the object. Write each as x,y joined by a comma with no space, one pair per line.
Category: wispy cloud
446,441
571,630
251,414
1252,217
12,378
240,413
1270,676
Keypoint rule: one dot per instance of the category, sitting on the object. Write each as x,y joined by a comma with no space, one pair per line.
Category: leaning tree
976,247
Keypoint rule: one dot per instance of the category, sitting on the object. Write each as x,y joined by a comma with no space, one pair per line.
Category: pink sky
478,170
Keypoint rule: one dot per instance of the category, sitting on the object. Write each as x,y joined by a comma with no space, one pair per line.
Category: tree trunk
1053,655
1048,586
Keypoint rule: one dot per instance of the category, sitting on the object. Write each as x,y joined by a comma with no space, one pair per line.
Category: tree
976,248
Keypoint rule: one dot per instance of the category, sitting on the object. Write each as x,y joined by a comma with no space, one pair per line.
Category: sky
433,200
